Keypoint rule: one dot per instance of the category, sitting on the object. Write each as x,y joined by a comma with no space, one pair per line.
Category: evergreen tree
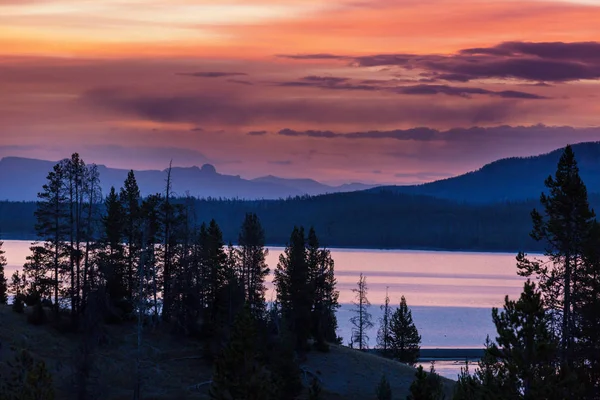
52,228
169,244
405,339
361,321
239,372
467,387
325,296
426,386
28,380
384,390
130,199
3,280
214,260
151,221
384,339
526,347
564,227
39,284
293,288
113,268
252,263
587,355
315,392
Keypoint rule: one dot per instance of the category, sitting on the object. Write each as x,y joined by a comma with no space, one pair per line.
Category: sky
375,91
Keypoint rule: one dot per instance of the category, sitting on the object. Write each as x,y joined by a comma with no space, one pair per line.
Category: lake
450,293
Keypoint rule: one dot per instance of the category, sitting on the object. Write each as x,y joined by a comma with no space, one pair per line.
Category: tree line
371,219
152,261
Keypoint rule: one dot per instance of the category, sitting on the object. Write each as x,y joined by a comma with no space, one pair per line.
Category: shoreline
33,238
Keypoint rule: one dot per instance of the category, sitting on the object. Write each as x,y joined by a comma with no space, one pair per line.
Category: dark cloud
465,135
197,129
318,56
257,133
424,175
333,83
212,74
330,80
240,82
284,162
229,110
462,91
542,62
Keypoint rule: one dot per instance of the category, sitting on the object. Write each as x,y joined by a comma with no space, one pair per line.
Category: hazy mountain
22,178
312,187
510,179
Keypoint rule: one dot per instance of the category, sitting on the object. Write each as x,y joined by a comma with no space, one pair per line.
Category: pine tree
361,322
112,256
384,339
315,392
214,260
239,372
293,288
325,296
526,347
587,353
426,386
152,223
169,244
384,390
3,280
253,265
28,380
130,199
52,228
564,228
405,339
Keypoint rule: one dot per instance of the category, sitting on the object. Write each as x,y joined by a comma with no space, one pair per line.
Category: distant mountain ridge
22,178
509,179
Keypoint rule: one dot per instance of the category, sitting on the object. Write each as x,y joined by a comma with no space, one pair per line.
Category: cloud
212,74
334,83
529,61
230,110
423,175
463,91
284,162
257,133
318,56
240,82
472,135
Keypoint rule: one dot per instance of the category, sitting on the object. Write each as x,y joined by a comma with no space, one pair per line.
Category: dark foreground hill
510,179
173,368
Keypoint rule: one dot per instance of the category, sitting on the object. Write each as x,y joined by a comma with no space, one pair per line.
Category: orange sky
195,77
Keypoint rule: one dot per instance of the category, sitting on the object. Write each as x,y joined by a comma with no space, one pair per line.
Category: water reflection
451,294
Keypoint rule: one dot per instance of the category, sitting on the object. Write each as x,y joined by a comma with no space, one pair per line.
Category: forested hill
359,219
510,179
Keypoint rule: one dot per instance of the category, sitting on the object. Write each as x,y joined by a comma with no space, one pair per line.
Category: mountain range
509,179
22,178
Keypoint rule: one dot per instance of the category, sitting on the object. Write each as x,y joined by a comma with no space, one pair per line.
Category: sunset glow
299,88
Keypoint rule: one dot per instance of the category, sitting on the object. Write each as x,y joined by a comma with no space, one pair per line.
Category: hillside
173,368
358,219
510,179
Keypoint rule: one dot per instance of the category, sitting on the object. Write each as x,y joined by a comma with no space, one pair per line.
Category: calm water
451,294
